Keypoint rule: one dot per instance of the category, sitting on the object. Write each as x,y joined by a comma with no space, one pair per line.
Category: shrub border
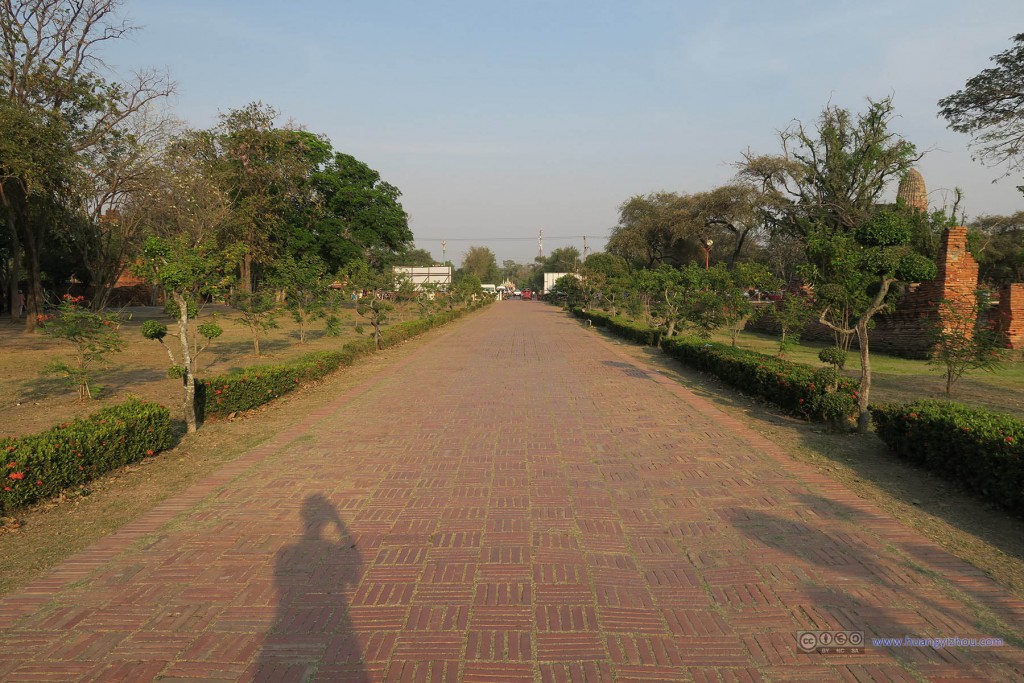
981,449
38,466
621,327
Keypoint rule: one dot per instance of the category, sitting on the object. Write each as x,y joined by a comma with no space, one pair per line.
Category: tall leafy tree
656,228
420,258
733,215
264,170
560,260
990,108
53,81
831,175
115,176
480,261
998,244
826,188
360,216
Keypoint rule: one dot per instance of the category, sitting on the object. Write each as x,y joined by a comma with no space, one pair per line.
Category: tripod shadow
312,636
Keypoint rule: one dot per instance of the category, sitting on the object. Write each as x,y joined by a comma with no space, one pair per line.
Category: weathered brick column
957,279
1011,316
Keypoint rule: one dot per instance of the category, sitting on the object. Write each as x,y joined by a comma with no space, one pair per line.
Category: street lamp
707,252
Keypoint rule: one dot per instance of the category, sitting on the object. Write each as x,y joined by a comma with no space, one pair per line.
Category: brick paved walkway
516,501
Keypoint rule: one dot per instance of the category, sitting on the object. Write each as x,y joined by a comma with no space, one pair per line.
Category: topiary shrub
834,356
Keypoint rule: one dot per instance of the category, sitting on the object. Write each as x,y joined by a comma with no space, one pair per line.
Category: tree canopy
480,261
831,175
990,108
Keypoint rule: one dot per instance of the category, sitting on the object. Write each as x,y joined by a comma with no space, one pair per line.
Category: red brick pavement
515,501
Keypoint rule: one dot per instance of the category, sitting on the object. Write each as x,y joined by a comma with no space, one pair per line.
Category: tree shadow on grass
312,636
43,386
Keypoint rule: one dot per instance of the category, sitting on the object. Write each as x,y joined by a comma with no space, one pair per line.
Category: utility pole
585,248
540,244
444,261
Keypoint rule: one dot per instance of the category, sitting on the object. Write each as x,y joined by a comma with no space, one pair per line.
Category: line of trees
91,168
811,217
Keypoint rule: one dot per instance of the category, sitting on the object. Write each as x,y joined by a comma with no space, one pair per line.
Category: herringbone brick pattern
516,501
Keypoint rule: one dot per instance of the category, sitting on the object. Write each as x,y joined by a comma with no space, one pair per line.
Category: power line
503,239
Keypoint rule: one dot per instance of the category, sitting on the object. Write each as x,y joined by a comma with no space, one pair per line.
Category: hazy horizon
497,120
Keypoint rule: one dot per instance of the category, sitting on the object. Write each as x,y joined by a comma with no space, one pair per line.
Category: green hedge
794,387
258,384
621,327
981,449
41,465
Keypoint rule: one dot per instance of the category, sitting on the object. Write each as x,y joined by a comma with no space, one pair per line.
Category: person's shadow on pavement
312,637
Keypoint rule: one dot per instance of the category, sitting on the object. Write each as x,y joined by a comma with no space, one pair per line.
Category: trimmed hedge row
621,327
979,448
41,465
794,387
258,384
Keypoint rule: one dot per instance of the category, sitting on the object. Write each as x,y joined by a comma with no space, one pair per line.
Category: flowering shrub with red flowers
978,448
41,465
259,384
621,327
794,387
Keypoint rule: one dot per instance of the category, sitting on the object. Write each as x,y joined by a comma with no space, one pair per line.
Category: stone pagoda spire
912,191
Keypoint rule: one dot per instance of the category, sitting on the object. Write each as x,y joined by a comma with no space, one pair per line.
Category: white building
425,275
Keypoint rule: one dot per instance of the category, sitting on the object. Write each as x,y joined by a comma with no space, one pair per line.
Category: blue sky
499,119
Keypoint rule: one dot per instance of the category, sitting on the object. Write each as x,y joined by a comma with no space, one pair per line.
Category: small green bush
41,465
833,355
981,449
791,386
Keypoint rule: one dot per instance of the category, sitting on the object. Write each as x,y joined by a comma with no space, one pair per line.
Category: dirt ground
32,402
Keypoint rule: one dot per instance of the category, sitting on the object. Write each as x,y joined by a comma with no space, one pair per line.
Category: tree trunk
671,328
14,299
34,288
188,380
245,274
170,354
863,416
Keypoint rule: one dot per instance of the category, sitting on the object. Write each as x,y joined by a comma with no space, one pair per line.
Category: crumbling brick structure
1010,316
909,330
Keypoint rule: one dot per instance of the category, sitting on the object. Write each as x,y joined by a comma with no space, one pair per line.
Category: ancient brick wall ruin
909,330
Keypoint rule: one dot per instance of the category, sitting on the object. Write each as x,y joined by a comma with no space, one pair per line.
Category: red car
527,294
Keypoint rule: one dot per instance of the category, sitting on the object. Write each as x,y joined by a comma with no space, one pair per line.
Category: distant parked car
527,294
517,293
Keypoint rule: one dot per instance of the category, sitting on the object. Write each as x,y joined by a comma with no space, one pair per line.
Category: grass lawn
902,379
